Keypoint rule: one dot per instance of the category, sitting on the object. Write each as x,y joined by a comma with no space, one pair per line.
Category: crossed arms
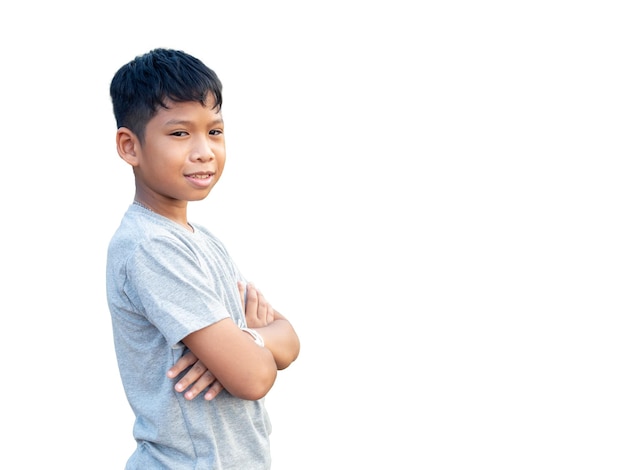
222,356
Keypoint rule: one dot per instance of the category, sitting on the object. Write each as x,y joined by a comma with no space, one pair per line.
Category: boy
175,295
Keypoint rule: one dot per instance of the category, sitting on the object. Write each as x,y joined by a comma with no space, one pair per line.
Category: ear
128,146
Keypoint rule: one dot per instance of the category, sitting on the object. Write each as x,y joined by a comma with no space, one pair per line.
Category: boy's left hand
196,379
258,311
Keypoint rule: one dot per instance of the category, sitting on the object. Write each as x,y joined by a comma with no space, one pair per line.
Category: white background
433,193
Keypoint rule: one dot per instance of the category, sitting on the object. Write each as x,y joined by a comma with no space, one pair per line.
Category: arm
278,335
243,368
280,338
277,332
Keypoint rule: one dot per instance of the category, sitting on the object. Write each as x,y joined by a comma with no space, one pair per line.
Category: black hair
143,85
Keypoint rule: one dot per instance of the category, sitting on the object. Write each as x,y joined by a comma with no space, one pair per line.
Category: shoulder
139,226
140,234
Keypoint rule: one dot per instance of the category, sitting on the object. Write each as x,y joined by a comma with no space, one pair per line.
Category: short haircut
143,85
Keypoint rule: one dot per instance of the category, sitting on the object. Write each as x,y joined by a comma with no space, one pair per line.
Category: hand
258,311
196,379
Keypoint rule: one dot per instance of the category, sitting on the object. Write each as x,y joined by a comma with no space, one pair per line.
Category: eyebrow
180,122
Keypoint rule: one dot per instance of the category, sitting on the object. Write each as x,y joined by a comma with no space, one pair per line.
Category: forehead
187,110
209,101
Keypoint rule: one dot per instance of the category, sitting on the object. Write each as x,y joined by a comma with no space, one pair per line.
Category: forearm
281,339
241,366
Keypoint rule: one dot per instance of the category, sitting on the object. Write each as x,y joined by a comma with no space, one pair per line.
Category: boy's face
183,153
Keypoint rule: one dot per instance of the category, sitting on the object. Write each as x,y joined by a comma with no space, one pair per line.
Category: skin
258,311
181,159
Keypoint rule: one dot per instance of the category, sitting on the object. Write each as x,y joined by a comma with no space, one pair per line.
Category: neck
175,214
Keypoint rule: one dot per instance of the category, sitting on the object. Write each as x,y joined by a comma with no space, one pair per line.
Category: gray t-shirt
163,283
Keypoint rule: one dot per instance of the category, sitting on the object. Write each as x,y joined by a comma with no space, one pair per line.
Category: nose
202,149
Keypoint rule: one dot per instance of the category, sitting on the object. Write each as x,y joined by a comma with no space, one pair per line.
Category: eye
178,133
216,132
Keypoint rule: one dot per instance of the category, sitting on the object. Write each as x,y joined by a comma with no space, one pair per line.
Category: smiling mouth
200,176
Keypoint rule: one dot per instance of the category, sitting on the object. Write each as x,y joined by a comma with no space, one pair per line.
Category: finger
242,294
215,388
185,361
204,381
261,312
194,374
265,311
252,302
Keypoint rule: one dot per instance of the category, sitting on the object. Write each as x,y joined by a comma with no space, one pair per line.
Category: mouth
200,179
200,175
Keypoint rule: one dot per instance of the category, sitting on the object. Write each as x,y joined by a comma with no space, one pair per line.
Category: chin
200,197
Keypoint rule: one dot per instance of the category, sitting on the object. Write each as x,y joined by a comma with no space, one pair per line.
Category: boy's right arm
277,333
241,366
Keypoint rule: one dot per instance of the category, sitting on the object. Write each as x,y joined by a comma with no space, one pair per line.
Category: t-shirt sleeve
176,292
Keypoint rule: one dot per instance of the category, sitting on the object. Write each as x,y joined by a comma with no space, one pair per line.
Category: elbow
254,380
255,394
257,387
285,360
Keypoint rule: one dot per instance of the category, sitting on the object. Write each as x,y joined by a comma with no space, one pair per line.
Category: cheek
221,162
